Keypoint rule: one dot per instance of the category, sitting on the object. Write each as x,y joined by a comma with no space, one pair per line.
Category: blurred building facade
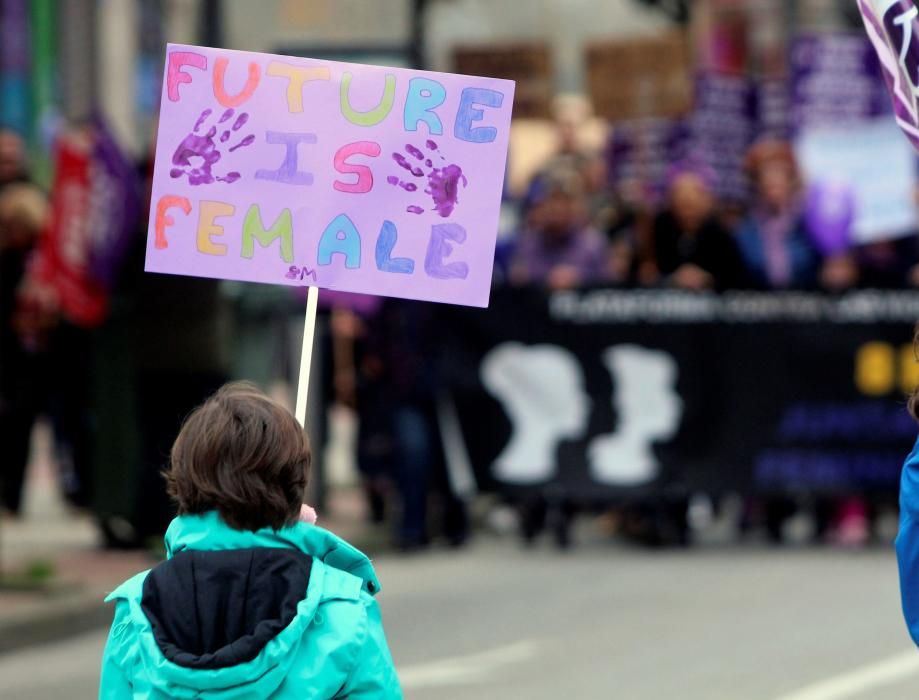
69,58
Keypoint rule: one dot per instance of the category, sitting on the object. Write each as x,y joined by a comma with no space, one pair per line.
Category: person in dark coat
692,250
404,343
23,210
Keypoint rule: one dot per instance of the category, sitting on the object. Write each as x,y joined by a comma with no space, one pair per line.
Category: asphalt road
607,621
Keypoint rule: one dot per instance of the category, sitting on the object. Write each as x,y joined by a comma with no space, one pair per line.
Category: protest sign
641,153
835,81
836,87
715,134
878,168
319,173
304,172
721,128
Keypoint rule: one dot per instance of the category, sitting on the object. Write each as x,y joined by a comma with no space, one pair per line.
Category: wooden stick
306,354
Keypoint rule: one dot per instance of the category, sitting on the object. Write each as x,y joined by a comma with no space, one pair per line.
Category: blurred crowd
578,228
113,392
28,334
115,399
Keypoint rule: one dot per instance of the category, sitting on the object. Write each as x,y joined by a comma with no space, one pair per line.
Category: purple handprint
443,183
197,154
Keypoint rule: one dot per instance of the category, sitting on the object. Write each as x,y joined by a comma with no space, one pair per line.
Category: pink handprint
443,183
197,154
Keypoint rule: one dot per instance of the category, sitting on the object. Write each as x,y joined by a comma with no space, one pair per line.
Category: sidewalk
51,536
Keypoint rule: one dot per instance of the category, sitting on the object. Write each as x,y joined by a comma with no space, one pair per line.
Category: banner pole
306,354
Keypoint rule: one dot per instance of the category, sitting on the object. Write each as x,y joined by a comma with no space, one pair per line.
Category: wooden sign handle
306,354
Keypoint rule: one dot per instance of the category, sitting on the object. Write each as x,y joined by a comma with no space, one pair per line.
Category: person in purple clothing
557,247
775,243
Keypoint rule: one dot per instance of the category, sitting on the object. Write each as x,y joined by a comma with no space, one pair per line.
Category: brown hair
771,150
22,206
243,455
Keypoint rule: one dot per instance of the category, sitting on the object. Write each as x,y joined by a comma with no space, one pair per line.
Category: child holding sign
300,172
252,601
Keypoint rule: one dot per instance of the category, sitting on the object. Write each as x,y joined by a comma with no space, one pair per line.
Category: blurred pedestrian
579,134
23,213
840,271
558,248
778,252
252,601
691,250
12,159
403,353
610,212
604,209
165,348
888,264
776,247
360,384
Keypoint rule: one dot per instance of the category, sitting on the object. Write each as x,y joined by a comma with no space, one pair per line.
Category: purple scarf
774,232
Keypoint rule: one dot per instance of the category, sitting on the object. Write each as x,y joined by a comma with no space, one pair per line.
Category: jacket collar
207,531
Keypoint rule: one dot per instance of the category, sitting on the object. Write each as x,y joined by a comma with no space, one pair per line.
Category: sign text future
298,171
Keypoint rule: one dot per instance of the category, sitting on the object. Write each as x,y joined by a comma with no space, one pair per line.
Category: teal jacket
240,614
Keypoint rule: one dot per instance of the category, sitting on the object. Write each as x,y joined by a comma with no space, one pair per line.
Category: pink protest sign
304,172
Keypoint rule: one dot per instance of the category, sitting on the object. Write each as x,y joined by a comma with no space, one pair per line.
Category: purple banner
722,127
773,107
835,80
716,134
641,152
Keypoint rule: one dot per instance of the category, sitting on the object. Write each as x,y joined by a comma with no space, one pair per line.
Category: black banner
609,393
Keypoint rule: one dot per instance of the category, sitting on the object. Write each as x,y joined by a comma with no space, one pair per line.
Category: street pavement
606,620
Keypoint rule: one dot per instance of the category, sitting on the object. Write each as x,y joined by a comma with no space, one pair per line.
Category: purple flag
892,27
115,205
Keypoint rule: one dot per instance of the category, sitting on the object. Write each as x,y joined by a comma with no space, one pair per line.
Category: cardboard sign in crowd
317,173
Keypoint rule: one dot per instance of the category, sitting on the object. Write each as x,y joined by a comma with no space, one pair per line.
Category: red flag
63,260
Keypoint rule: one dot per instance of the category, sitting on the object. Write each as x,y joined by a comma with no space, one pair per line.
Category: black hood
215,609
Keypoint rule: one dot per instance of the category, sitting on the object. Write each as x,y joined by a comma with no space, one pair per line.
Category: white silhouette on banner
649,410
542,391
